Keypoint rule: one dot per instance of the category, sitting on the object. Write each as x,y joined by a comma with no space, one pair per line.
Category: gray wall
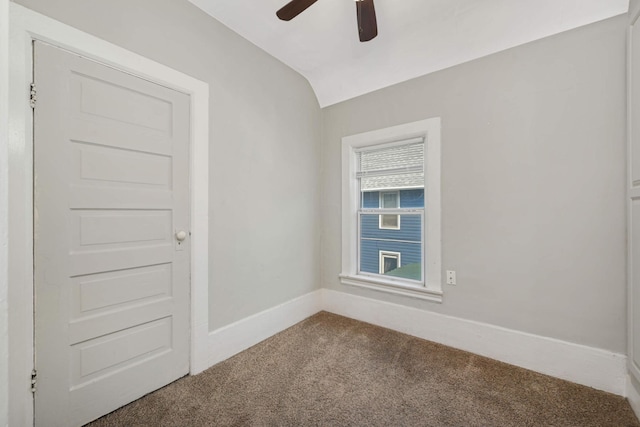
4,214
533,175
265,144
634,7
533,183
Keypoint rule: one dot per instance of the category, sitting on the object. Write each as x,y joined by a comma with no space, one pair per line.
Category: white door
111,266
633,203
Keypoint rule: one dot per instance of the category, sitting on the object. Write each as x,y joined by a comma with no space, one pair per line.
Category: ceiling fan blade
367,24
293,9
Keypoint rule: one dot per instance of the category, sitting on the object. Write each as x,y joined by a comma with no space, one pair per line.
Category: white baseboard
593,367
236,337
633,396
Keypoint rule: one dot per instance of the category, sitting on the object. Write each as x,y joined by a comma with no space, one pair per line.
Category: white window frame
431,288
388,254
380,204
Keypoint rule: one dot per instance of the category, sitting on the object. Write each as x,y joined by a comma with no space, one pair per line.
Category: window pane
389,200
390,221
389,263
405,241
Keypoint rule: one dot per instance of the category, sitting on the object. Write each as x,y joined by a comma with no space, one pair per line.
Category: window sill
392,287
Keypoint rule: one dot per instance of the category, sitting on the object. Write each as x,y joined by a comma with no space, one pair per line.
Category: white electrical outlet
451,277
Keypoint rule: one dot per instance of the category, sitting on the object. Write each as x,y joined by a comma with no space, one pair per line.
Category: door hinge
34,380
32,96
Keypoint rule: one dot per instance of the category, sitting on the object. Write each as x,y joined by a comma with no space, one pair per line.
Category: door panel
124,228
110,192
124,105
102,355
103,291
125,168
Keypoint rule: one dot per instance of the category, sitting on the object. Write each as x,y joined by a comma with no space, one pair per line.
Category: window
389,200
389,261
391,177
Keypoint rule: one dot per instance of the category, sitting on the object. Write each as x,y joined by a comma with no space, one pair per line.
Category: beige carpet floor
332,371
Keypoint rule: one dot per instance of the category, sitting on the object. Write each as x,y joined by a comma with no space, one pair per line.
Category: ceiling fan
367,25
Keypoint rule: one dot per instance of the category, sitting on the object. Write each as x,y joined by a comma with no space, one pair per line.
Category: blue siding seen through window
412,198
407,240
411,253
409,228
371,199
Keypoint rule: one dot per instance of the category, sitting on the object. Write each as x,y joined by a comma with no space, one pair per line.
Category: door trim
4,223
25,27
633,192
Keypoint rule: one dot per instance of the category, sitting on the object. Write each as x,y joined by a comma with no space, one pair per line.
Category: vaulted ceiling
416,37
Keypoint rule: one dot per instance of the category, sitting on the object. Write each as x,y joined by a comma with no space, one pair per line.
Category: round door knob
181,235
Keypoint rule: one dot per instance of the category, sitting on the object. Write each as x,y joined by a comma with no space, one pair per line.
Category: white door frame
4,223
26,26
633,194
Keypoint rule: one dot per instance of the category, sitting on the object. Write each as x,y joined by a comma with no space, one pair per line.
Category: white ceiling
415,37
